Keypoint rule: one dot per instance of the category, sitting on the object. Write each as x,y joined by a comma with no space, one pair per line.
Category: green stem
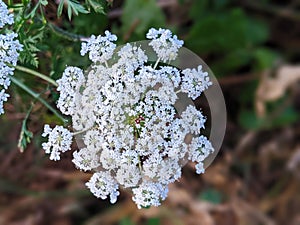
156,63
82,131
65,34
37,96
37,74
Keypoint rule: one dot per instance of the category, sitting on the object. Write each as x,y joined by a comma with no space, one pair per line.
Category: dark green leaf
73,7
249,120
146,14
211,195
153,221
126,221
265,58
222,32
96,5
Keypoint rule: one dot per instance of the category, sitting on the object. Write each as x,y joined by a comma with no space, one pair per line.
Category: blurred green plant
233,38
211,195
146,14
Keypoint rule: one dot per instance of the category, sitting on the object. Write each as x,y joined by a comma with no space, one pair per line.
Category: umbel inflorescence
123,110
9,52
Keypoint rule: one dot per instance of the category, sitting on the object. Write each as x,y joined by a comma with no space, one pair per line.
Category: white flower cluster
59,140
9,48
100,48
123,110
164,44
69,86
5,17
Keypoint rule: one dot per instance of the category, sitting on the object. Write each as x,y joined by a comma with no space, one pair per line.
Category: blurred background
253,48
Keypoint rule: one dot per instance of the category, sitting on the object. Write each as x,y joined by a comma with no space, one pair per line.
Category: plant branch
37,96
37,74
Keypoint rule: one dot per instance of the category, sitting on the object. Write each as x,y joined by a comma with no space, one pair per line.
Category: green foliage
264,58
25,134
30,48
138,16
96,5
30,29
249,120
80,24
126,221
211,195
38,5
227,33
153,221
73,7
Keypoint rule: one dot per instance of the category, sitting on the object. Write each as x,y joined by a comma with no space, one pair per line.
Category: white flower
5,17
128,176
103,184
200,168
69,86
86,159
72,79
9,53
149,194
100,48
169,74
3,98
164,44
59,140
194,118
9,48
109,159
5,74
194,82
200,148
125,113
131,57
169,171
93,139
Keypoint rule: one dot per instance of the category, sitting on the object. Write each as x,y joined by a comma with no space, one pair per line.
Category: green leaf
222,32
265,58
220,4
231,61
73,7
34,10
25,135
211,195
276,116
60,8
126,221
30,49
288,116
153,221
249,120
138,16
96,5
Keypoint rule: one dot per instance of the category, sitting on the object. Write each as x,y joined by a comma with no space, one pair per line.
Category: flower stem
37,96
156,63
37,74
65,34
82,131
